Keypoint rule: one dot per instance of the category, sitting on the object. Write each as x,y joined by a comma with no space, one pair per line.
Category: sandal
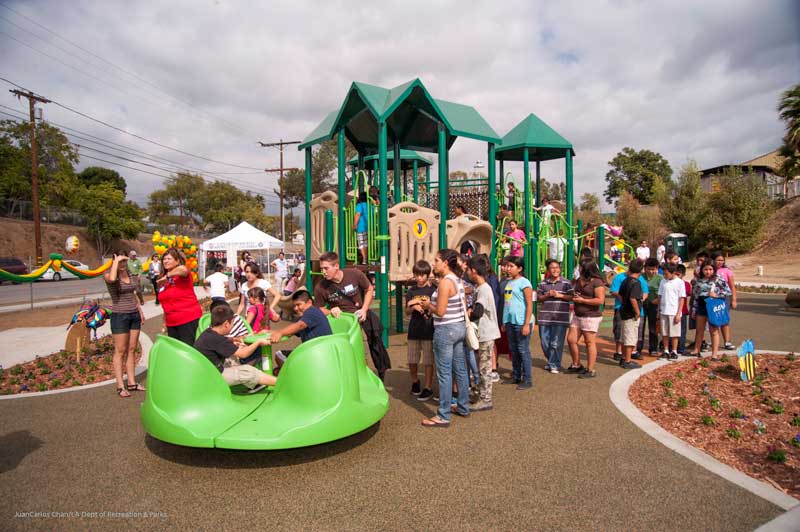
435,422
136,388
122,392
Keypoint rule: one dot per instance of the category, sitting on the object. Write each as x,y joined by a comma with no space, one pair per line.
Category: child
217,348
517,237
630,294
360,225
311,324
293,283
488,331
671,297
239,328
501,344
420,330
255,314
681,273
518,322
217,282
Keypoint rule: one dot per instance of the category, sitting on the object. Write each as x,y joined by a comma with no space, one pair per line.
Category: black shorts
125,322
185,332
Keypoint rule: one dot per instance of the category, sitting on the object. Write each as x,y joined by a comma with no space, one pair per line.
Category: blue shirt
316,324
616,283
361,226
514,297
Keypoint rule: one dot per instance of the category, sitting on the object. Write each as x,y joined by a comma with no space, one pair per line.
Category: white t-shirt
488,329
669,296
280,268
660,253
217,282
261,283
642,253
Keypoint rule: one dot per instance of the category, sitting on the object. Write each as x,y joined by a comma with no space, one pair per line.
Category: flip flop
136,388
435,422
121,391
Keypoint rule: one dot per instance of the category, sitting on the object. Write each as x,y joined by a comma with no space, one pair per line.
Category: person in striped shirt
554,295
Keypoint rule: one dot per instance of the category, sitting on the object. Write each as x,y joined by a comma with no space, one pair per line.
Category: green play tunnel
325,392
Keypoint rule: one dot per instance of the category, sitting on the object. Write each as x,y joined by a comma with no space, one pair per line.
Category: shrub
667,384
708,420
795,422
777,455
791,357
737,414
795,442
714,402
16,370
776,408
41,386
679,375
734,433
723,358
703,363
14,380
55,383
683,402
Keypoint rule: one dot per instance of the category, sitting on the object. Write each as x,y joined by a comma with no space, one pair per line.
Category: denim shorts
125,322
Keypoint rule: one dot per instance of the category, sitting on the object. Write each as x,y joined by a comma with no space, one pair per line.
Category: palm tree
789,109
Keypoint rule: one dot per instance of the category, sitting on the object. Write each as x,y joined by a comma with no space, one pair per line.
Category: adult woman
449,334
253,279
724,272
244,258
590,293
126,321
709,284
176,293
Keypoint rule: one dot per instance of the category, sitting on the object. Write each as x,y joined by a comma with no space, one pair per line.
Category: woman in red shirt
177,298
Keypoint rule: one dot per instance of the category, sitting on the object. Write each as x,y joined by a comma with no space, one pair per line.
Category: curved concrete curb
619,396
144,340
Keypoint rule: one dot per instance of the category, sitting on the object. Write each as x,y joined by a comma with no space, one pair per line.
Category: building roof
767,162
406,156
542,141
411,114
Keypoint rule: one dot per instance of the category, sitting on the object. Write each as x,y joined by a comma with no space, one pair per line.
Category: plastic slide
325,392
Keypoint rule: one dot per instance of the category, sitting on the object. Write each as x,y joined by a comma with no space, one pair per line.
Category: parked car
50,275
13,265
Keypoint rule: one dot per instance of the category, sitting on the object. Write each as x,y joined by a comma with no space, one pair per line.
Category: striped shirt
123,296
454,312
238,329
553,311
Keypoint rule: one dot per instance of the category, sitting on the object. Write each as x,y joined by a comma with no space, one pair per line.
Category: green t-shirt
135,266
653,284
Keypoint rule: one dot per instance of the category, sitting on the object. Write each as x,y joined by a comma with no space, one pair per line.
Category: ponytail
451,258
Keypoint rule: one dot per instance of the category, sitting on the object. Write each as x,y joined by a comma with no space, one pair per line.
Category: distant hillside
782,231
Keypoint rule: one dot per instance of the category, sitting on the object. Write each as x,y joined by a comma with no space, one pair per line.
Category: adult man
281,271
653,279
554,294
660,251
643,251
349,290
135,269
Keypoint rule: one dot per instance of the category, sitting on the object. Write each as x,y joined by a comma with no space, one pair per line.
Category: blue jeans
520,347
450,356
552,339
472,365
682,341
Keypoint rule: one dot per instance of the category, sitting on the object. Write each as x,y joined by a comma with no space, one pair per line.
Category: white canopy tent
242,237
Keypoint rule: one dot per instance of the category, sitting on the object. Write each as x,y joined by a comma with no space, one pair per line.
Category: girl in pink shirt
519,239
724,272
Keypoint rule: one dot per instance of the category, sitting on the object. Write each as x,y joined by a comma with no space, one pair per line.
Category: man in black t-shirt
420,330
349,290
630,295
217,348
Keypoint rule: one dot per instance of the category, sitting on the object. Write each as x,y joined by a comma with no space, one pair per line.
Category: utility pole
37,227
281,169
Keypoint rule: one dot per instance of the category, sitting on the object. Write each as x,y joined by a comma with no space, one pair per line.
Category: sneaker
637,355
664,356
630,365
495,376
617,356
481,405
704,346
547,367
525,385
588,375
554,370
729,346
673,355
572,369
512,381
415,388
425,395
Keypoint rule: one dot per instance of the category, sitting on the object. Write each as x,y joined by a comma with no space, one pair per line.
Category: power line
114,65
84,115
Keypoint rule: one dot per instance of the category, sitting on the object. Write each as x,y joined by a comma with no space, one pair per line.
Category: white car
50,275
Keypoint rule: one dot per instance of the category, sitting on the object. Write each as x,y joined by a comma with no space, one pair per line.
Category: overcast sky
687,79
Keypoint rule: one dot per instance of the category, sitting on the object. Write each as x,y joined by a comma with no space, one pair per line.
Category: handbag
717,310
472,328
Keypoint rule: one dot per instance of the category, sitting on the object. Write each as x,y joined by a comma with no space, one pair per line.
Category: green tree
686,207
734,214
589,202
109,215
789,112
636,172
94,175
183,193
56,158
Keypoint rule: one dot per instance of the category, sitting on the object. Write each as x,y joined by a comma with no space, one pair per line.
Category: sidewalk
26,343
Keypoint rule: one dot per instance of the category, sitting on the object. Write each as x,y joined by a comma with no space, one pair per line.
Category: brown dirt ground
657,394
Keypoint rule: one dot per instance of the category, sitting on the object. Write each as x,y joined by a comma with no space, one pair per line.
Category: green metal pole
416,183
442,187
526,206
601,247
397,172
428,186
492,199
329,243
570,221
502,178
536,228
398,307
342,165
383,226
309,284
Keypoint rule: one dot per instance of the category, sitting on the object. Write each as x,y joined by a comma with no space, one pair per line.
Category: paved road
11,294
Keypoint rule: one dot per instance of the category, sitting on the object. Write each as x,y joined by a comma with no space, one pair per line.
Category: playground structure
325,392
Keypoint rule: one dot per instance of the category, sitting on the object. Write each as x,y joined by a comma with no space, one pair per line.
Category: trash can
679,243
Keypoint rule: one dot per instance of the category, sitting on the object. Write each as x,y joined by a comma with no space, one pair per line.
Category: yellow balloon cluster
182,243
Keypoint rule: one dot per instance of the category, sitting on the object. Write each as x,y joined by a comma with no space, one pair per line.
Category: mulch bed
751,426
62,369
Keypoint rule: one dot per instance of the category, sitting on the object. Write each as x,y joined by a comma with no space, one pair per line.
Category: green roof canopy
407,157
542,141
411,114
